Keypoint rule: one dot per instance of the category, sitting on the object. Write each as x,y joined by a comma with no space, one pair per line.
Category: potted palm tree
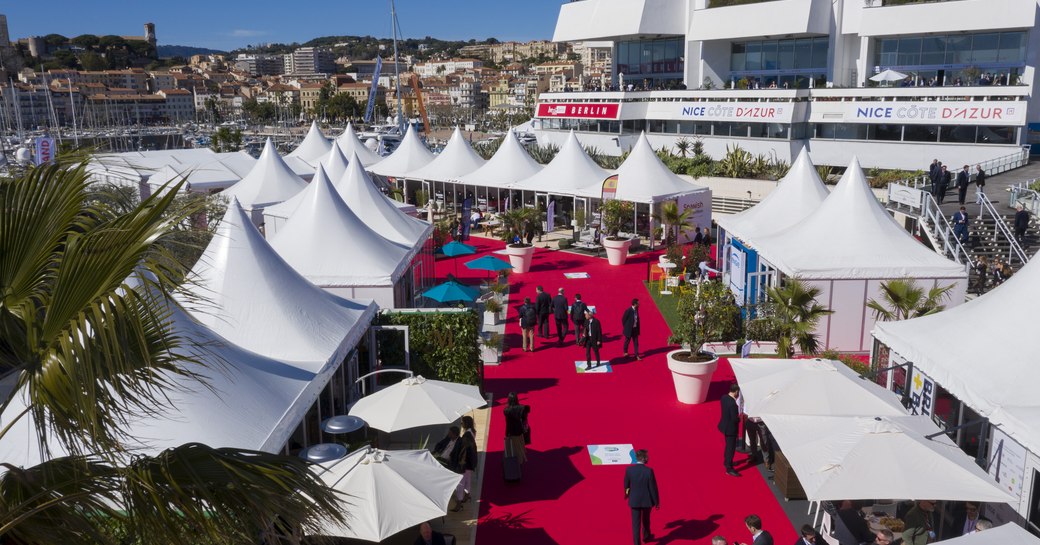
615,213
516,222
674,220
903,299
796,314
492,307
708,314
491,348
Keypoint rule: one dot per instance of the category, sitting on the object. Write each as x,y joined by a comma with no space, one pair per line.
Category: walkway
563,498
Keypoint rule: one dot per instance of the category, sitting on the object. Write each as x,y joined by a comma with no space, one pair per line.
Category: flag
610,187
44,150
550,217
373,90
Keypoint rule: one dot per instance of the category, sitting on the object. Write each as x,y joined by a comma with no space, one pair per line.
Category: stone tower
149,33
5,38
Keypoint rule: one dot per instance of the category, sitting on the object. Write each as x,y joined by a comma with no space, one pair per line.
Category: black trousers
731,449
962,193
561,328
635,343
543,326
941,193
589,350
759,437
579,329
640,517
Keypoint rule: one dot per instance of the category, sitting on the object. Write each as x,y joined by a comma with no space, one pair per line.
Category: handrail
1015,249
992,167
943,231
1028,198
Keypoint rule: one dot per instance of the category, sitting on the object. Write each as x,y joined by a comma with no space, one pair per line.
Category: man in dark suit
578,317
944,183
933,175
593,337
630,328
729,425
641,491
932,168
428,537
543,307
810,536
560,308
758,535
963,180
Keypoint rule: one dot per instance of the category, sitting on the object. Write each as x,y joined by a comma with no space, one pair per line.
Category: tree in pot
515,223
796,314
492,307
674,220
615,213
708,314
491,346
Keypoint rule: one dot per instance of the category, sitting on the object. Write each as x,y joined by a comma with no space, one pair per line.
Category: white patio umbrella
1008,534
416,402
810,387
856,458
387,491
888,75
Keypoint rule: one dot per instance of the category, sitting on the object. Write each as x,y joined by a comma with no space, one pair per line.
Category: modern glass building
777,76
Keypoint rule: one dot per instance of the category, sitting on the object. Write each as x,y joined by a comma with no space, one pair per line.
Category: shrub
736,164
563,243
443,344
850,361
722,316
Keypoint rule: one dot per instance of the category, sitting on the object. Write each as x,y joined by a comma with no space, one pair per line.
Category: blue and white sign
922,394
737,273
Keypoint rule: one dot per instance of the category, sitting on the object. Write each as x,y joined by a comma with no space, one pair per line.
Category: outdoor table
667,266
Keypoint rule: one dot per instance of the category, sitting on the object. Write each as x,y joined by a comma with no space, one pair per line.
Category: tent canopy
314,145
332,247
856,458
643,178
992,366
799,194
456,160
377,210
852,236
1006,534
242,290
350,144
571,172
334,165
510,164
270,181
411,155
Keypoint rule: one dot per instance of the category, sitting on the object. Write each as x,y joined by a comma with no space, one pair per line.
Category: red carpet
563,498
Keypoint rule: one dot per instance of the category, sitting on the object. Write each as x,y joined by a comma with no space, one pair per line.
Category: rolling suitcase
510,464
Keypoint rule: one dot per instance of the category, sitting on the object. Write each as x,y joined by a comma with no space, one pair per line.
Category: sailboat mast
397,69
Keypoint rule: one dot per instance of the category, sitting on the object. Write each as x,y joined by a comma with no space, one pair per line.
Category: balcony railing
726,3
885,3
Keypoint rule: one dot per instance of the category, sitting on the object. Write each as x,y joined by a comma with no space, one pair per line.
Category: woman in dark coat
516,425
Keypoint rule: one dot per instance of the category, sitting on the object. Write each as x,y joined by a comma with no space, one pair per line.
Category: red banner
580,110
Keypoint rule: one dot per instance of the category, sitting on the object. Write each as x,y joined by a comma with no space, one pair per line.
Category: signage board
44,150
737,273
579,110
959,112
905,195
699,205
748,112
1006,461
922,394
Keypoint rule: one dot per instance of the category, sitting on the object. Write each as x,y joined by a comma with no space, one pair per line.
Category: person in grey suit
758,535
641,491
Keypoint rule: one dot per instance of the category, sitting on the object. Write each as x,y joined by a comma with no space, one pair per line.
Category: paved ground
996,188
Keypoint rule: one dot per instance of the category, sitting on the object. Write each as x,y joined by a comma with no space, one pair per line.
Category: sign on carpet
612,455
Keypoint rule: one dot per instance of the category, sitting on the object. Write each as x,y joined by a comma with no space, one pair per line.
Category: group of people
987,270
588,330
458,452
942,179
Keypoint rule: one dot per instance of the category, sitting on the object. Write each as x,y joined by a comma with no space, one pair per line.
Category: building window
955,59
921,133
791,63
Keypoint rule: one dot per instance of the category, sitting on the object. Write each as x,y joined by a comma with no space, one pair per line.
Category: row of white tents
843,242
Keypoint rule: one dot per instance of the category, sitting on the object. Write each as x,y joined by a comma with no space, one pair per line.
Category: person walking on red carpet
528,319
758,535
729,425
641,492
630,328
560,306
578,317
543,306
593,337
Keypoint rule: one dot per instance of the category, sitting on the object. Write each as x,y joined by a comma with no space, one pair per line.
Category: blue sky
224,24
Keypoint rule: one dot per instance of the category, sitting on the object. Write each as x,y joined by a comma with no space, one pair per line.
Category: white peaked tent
335,162
510,164
350,144
410,155
377,210
333,248
247,293
314,145
572,172
276,215
1006,534
799,194
857,458
252,402
847,248
457,159
270,181
989,362
643,178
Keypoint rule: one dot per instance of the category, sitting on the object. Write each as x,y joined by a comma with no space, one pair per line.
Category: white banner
700,204
905,195
1007,462
44,150
753,112
922,394
737,273
960,112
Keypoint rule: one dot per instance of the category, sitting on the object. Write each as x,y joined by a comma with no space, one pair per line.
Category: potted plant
615,213
491,348
709,314
674,221
796,314
516,222
492,307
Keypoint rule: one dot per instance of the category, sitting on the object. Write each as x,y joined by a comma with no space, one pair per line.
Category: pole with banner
550,217
467,206
44,150
372,91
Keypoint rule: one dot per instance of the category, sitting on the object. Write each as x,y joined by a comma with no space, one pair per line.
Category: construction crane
419,101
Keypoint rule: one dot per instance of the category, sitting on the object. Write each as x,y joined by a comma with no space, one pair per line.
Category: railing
942,232
882,3
1014,248
1028,198
992,167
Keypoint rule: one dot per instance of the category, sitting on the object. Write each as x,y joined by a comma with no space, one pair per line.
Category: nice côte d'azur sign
1000,113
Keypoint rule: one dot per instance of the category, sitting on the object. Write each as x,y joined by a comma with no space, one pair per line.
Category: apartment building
309,60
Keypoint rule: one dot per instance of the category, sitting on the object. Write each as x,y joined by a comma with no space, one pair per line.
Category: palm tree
902,299
87,354
683,146
796,314
674,220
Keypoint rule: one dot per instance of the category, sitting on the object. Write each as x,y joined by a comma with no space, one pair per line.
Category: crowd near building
890,82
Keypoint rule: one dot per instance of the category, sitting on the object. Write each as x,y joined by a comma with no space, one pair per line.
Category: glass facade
990,58
660,62
954,134
780,63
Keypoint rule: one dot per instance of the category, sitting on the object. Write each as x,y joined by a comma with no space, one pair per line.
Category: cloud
245,33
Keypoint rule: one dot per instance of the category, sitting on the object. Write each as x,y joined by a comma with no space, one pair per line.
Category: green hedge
444,344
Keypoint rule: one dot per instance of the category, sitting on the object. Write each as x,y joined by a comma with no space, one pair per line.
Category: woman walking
465,462
517,429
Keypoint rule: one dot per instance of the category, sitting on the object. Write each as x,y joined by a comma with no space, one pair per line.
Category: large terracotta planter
617,250
691,379
520,257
